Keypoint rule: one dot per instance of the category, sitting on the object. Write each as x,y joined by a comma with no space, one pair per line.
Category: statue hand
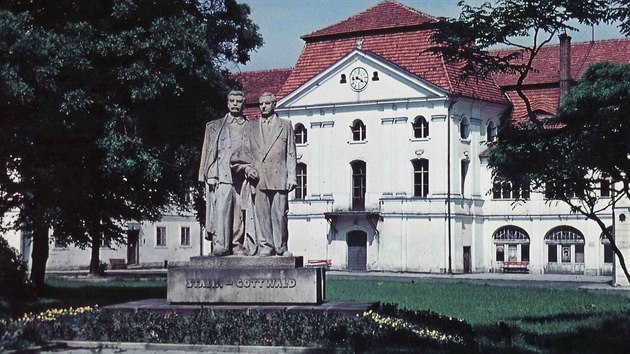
292,186
212,182
251,173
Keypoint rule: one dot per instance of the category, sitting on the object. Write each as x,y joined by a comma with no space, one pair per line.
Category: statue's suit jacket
209,168
274,159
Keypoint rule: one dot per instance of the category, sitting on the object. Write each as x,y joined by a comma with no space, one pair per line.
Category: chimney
565,65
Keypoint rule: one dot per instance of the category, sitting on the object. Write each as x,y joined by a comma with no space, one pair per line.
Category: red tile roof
385,15
254,83
583,54
542,85
405,46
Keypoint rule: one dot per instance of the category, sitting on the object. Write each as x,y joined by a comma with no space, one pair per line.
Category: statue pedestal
245,280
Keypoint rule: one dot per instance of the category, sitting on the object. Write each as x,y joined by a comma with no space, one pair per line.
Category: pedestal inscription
196,284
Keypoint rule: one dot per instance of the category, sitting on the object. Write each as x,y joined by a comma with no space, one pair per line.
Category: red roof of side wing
395,33
255,83
541,85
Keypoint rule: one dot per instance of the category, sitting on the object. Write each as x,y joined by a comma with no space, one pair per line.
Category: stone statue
271,143
225,171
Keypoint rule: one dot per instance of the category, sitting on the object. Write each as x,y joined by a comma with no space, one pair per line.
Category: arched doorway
357,250
565,250
511,246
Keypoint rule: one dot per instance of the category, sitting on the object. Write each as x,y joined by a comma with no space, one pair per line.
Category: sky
282,22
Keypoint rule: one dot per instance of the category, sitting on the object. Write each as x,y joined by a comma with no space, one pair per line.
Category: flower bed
385,328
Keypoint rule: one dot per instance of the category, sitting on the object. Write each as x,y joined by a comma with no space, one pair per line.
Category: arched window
358,185
420,178
300,189
464,128
565,245
491,132
511,244
420,127
358,130
300,134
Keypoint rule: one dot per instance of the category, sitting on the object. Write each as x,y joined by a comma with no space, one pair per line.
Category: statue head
236,102
267,104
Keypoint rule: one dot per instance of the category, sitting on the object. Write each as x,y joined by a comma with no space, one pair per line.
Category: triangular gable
394,83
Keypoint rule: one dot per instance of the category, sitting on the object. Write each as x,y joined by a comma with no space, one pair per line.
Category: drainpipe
448,185
565,65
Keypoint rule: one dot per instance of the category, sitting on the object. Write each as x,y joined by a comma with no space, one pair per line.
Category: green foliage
104,104
14,283
386,328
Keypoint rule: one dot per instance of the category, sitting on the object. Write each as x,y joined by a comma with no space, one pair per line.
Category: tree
102,106
562,154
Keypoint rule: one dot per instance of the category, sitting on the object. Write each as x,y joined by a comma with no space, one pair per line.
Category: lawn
508,319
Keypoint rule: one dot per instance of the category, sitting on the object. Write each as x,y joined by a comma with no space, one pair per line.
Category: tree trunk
39,255
96,257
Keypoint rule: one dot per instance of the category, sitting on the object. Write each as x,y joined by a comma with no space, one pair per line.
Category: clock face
358,79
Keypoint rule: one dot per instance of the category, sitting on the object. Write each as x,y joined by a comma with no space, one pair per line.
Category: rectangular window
604,188
509,190
579,253
185,236
552,253
524,253
500,253
160,236
609,256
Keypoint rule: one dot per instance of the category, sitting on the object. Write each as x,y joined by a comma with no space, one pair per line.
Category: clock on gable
358,79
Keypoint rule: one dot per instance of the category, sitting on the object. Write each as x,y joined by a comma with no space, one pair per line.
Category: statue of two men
248,168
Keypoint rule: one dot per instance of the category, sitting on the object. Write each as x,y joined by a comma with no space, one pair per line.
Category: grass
507,319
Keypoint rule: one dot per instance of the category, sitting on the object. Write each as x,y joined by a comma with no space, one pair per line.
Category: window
569,241
609,256
358,185
358,130
160,236
184,236
300,189
552,253
510,190
420,178
300,134
604,188
491,132
560,191
60,243
464,128
420,127
511,240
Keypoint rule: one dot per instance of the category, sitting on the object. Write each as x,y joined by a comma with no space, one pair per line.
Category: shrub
384,329
14,283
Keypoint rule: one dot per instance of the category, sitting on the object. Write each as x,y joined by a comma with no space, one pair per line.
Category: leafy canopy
103,103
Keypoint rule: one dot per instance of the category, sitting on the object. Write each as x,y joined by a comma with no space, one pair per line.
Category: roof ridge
317,33
261,71
625,39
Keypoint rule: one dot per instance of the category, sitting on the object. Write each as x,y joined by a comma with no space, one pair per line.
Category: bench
319,263
511,266
117,263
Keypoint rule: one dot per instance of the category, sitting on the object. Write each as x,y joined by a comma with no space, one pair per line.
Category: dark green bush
14,283
383,330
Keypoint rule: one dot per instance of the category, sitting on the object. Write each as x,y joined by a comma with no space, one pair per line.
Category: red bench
511,266
319,263
117,263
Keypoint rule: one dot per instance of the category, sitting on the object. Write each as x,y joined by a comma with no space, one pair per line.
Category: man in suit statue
271,143
226,188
